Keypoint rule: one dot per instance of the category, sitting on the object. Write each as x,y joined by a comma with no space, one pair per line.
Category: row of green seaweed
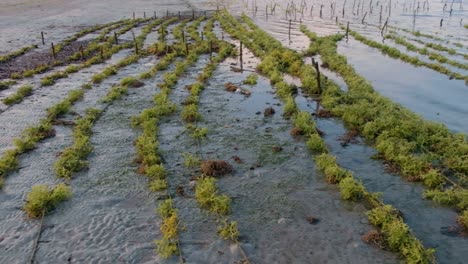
31,136
42,199
276,61
147,145
108,49
397,54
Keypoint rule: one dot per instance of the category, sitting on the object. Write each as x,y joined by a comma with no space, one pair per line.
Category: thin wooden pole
317,69
81,52
53,50
211,50
347,31
241,57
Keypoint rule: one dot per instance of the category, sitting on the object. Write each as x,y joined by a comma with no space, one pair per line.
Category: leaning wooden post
81,52
241,58
202,36
42,37
347,31
211,50
380,19
102,52
136,48
383,28
53,50
183,36
186,48
317,69
116,39
364,18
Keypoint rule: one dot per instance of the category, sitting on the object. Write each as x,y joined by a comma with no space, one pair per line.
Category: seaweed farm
247,131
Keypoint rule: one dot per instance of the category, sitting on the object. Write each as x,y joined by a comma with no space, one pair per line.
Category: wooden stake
289,30
81,52
102,53
186,48
116,39
42,37
380,19
144,15
211,50
347,31
241,58
383,28
317,69
193,14
133,15
364,18
53,50
136,48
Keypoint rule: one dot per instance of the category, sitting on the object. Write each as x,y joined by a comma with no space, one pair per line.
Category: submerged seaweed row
420,150
206,192
432,55
6,84
395,53
429,36
31,136
73,159
99,58
275,62
147,144
108,27
23,91
41,199
16,53
43,68
434,46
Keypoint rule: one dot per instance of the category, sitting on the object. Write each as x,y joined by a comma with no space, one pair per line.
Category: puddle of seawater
422,90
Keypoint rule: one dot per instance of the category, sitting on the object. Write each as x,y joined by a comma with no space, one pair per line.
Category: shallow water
406,196
273,193
422,90
111,218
